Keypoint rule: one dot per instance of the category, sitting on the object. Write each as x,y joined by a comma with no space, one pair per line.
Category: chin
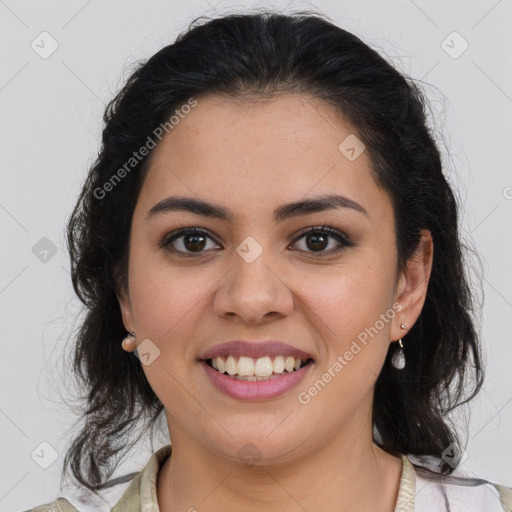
256,447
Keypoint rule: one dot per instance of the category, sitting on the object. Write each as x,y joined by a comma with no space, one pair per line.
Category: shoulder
59,505
460,492
142,486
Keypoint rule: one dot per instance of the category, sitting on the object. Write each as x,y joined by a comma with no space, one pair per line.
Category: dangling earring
128,343
398,358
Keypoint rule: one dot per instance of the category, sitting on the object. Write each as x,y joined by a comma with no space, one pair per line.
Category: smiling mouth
256,369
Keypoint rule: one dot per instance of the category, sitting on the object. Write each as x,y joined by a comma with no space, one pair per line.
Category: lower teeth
253,378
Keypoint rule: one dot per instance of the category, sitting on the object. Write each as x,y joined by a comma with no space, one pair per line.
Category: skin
251,158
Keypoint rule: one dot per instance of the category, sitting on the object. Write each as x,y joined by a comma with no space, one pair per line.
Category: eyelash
333,233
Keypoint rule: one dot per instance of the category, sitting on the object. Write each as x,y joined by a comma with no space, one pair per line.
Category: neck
349,473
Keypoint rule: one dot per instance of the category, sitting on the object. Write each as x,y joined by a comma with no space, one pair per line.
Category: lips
255,350
255,370
270,387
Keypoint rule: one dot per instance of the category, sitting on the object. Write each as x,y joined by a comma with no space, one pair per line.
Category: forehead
262,151
291,126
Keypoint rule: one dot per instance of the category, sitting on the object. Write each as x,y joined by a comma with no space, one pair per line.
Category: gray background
50,127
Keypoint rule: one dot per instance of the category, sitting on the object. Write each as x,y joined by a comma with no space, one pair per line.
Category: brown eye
187,241
194,242
318,239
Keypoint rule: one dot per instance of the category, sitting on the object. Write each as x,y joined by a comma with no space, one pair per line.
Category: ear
412,285
126,308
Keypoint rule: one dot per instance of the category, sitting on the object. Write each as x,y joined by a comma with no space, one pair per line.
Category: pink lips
255,390
259,349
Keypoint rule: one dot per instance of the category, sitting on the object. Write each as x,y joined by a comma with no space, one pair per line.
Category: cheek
347,313
167,305
166,300
349,299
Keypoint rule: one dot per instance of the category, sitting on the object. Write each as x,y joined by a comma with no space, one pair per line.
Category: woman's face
254,274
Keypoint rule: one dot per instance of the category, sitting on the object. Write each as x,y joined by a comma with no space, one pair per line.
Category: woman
269,222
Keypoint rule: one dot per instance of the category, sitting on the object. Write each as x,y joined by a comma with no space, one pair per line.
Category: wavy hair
249,56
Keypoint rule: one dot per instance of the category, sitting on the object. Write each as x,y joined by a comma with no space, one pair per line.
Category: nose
253,292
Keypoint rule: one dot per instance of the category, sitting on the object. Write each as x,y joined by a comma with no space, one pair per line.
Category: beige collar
406,491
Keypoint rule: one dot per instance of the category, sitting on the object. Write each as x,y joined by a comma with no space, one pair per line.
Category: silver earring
398,358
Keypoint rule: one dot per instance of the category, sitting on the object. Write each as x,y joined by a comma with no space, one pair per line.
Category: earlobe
413,284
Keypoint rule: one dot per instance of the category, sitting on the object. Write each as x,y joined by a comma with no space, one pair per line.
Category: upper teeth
260,367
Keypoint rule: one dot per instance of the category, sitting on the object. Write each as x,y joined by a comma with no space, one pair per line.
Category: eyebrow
283,212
